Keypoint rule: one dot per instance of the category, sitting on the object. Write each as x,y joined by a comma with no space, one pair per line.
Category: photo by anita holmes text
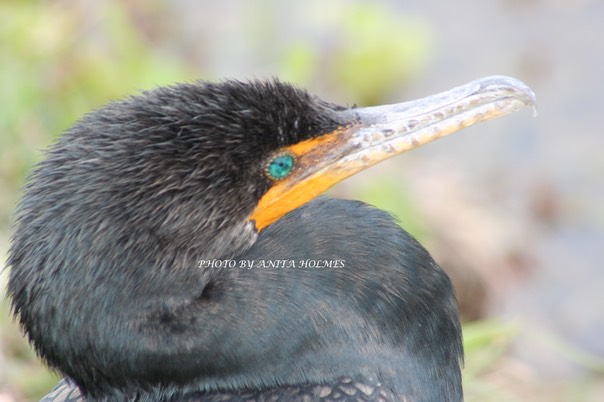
251,264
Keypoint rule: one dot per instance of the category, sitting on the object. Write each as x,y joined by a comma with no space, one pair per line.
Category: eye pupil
280,166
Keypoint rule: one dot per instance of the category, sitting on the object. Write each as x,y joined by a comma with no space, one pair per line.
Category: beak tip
515,87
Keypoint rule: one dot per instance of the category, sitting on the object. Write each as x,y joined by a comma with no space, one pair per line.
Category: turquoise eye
280,166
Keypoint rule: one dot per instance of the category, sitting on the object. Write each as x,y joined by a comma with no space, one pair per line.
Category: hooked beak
380,132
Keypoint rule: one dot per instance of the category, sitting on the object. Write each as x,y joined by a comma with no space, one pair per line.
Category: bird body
107,260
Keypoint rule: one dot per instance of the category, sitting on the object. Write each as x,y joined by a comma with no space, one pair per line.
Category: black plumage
105,262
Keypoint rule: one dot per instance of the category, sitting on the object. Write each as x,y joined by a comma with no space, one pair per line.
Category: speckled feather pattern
343,390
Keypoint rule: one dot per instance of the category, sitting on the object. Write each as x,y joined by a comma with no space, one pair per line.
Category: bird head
112,221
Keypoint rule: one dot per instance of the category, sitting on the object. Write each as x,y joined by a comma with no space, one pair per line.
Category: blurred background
512,209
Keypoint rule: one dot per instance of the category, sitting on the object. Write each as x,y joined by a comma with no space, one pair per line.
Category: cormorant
131,261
